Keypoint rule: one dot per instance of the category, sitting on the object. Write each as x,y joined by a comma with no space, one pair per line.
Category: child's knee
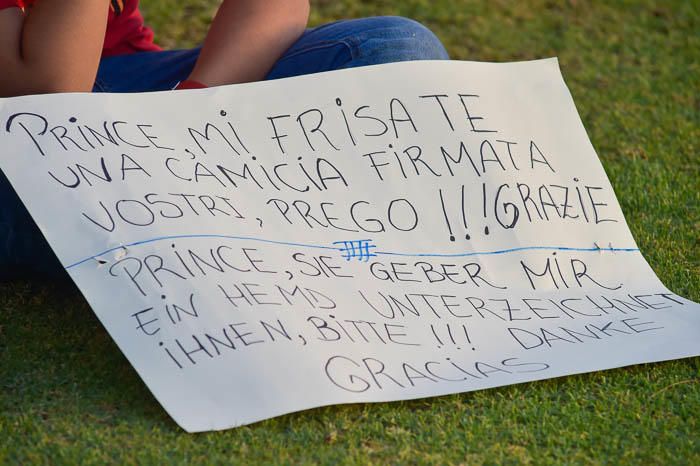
395,38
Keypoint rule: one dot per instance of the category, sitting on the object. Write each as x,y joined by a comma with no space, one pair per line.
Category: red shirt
126,32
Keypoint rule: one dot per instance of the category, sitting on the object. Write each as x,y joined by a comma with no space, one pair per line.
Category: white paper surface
287,262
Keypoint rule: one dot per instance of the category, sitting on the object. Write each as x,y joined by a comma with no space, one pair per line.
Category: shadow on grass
55,355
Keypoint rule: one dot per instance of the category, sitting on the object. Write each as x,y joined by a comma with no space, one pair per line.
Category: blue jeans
342,44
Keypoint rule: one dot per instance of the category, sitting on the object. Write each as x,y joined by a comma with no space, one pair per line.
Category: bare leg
247,37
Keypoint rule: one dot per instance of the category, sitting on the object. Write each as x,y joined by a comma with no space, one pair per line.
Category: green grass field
67,395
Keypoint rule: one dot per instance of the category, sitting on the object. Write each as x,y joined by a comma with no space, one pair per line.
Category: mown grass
67,395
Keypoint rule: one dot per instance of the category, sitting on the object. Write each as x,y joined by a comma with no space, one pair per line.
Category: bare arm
54,48
247,37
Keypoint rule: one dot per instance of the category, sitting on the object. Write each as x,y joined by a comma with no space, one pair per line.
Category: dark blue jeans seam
101,86
320,46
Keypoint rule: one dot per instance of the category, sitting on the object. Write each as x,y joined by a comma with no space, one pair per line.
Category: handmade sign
373,234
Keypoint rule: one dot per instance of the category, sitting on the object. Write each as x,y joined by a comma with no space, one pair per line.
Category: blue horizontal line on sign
336,248
505,251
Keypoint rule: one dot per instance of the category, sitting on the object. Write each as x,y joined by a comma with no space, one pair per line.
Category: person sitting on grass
51,46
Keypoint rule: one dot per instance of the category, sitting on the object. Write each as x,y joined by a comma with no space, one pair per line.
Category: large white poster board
376,234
